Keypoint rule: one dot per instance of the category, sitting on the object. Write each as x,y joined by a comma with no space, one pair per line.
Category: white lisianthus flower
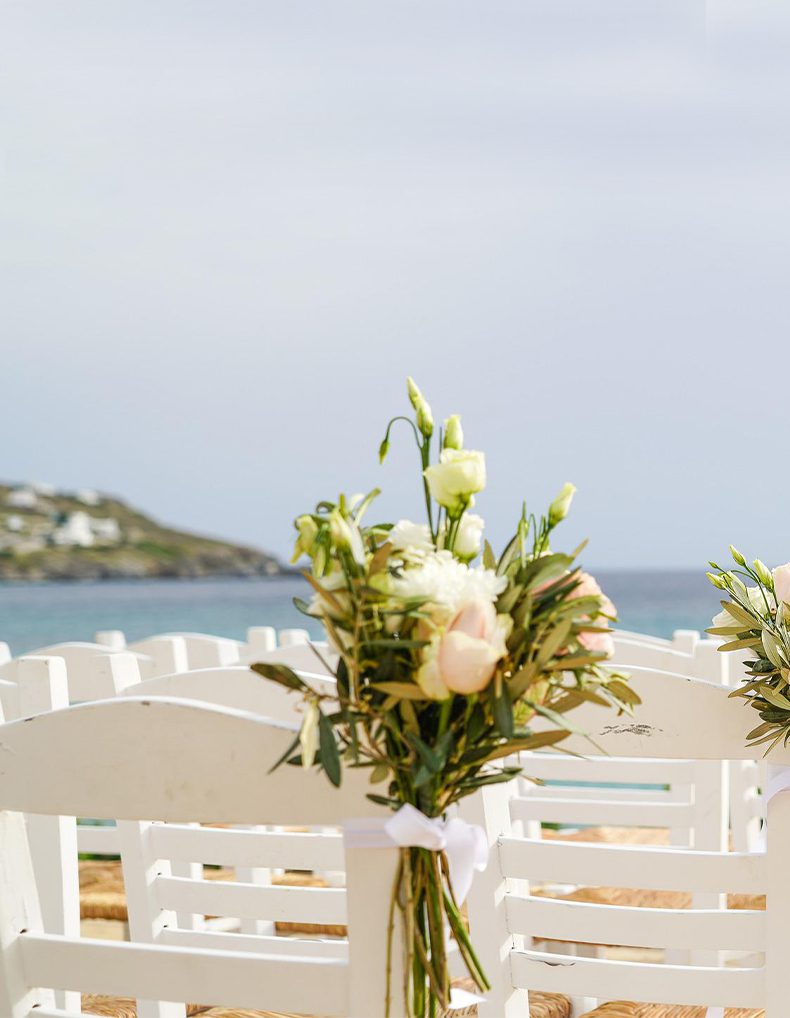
756,600
470,536
446,584
413,539
458,475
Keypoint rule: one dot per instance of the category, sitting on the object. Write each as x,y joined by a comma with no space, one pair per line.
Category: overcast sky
230,228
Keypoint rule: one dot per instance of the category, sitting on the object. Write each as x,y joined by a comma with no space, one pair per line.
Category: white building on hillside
75,531
23,497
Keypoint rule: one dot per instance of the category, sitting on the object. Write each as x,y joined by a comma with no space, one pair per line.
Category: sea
34,615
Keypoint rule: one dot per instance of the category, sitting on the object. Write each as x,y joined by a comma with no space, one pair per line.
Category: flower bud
453,433
305,542
716,581
384,448
737,555
420,404
308,735
558,509
346,536
763,574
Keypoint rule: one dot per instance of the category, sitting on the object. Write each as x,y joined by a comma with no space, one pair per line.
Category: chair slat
252,901
556,766
304,985
584,922
622,980
654,869
566,810
98,839
251,944
679,794
297,851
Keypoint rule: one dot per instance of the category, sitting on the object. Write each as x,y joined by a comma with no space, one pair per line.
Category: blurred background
228,231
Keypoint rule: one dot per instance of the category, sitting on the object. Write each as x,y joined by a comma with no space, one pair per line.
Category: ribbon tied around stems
464,845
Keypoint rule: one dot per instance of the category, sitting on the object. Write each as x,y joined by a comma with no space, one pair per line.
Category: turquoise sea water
34,615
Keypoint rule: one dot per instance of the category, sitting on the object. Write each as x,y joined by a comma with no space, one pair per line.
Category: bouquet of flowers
446,655
754,620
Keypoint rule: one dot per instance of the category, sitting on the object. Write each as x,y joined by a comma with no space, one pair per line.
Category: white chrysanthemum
447,584
411,538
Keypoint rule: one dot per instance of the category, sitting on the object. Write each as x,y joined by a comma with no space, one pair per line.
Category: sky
230,229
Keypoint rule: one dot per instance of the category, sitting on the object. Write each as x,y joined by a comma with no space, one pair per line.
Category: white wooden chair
87,662
683,640
207,651
702,659
36,685
116,759
681,718
234,687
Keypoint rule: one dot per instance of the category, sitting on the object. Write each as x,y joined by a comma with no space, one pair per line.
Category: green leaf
379,773
623,692
282,674
429,757
503,711
489,558
568,664
774,698
401,690
519,683
752,641
285,755
553,642
327,746
751,620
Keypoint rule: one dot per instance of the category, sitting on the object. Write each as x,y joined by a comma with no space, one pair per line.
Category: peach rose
782,583
464,657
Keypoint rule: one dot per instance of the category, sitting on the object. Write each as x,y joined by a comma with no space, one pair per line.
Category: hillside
47,534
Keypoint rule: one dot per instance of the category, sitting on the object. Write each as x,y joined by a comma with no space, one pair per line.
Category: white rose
458,475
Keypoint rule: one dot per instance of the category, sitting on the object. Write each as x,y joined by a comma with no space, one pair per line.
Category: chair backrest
117,759
701,660
680,718
316,658
93,671
236,686
202,650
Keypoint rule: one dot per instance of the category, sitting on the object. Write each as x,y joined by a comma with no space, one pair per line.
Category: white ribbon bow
465,845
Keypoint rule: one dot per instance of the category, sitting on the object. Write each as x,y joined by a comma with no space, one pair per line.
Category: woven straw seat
626,1009
612,835
541,1005
102,895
